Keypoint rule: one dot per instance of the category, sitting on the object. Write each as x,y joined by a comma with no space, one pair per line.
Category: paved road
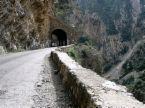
26,81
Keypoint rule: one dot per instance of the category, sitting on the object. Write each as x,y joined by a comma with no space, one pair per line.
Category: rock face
114,25
24,24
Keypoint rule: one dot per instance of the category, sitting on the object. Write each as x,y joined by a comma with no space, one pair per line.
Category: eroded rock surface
24,24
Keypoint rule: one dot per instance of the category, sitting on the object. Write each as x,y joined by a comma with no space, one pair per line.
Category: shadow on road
50,90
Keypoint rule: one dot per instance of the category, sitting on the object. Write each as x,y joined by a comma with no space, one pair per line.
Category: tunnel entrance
58,38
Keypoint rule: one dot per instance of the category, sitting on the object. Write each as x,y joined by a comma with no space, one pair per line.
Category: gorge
105,34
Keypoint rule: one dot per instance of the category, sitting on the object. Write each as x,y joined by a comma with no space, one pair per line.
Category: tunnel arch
58,38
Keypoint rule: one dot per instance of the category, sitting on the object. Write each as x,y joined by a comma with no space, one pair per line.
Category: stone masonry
88,89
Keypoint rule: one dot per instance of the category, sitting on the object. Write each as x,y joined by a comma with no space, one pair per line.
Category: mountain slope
133,72
115,73
115,27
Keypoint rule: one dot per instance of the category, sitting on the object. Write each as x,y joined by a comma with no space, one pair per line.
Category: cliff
113,25
110,31
24,24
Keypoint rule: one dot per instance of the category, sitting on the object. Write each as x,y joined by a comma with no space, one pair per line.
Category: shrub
139,90
72,52
83,39
129,81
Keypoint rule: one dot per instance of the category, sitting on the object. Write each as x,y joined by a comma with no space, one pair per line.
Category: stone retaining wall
88,89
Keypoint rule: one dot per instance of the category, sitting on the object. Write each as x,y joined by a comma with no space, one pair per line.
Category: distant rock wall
113,25
88,89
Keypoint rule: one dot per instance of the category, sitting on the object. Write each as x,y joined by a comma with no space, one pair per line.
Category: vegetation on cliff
133,75
87,55
114,26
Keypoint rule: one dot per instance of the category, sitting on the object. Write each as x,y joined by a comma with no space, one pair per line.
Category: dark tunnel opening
58,38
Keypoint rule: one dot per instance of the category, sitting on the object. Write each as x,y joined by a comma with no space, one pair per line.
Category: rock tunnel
58,38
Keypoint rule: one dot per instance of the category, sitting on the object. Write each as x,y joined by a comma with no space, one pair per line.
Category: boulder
2,51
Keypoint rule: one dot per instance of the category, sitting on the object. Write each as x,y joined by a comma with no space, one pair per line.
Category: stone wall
88,89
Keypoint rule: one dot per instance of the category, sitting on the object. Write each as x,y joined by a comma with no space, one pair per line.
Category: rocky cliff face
24,24
114,25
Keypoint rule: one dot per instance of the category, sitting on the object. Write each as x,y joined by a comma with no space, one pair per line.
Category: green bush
83,39
129,81
139,90
72,52
86,40
107,67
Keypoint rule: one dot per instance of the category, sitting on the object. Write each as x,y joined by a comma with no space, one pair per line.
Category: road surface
27,80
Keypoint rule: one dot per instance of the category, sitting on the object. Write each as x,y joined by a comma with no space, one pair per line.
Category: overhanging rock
88,89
